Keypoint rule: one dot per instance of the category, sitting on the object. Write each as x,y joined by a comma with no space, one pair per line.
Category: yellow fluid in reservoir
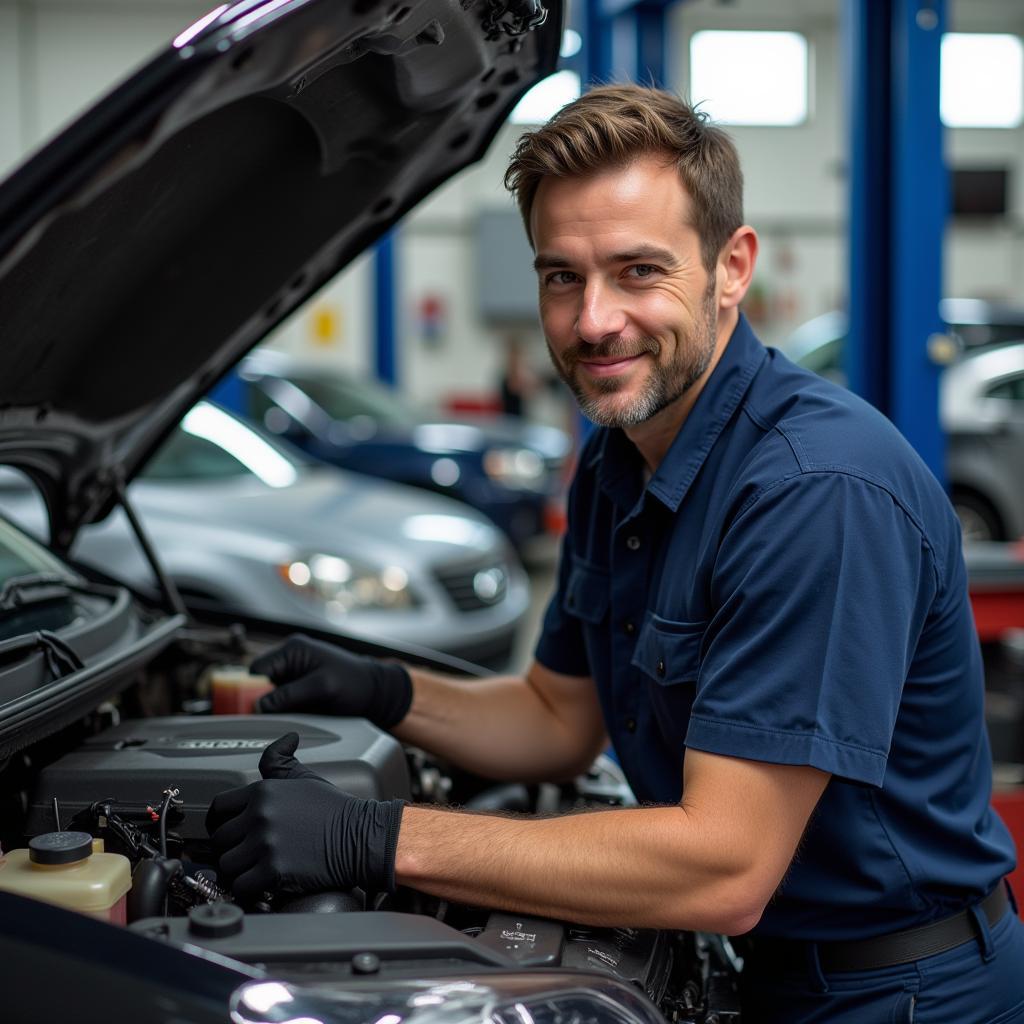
91,883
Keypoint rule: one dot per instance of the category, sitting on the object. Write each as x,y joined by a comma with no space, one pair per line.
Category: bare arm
541,726
712,863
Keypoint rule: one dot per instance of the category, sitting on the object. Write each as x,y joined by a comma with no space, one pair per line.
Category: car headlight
516,467
346,585
512,998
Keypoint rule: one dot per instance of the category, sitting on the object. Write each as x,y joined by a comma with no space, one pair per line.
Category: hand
294,832
325,679
279,761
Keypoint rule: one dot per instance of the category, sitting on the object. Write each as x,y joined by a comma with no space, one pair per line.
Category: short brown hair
611,126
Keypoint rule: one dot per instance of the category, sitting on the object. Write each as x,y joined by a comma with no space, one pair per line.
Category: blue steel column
920,206
597,45
866,81
897,210
385,301
652,52
627,41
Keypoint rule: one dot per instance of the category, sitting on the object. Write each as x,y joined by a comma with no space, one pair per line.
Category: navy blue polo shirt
789,587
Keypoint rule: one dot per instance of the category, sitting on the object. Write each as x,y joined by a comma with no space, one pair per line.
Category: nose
601,314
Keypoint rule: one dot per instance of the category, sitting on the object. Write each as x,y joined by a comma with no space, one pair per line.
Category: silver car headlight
511,998
346,585
519,468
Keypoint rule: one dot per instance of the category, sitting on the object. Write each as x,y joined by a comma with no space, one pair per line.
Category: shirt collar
619,473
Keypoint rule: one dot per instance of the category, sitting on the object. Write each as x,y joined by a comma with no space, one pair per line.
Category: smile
610,369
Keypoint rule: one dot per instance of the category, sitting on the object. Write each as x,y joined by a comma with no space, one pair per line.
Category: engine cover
137,760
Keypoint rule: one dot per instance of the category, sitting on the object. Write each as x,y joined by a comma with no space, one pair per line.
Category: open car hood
164,233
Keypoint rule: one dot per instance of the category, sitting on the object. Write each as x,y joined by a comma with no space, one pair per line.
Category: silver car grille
472,587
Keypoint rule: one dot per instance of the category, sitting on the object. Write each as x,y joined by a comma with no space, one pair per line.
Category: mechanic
761,603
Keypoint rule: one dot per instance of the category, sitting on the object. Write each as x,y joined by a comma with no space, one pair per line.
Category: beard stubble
664,385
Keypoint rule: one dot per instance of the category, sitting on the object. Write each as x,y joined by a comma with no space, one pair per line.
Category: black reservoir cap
216,920
532,941
60,847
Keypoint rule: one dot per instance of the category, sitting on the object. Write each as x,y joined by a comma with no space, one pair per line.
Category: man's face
628,310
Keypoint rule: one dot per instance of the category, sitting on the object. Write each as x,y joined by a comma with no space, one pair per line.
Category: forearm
646,867
499,727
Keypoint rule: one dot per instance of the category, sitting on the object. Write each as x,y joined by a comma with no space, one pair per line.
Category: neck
654,436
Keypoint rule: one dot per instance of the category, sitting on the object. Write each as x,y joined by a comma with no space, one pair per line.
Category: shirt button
633,542
630,725
629,628
661,667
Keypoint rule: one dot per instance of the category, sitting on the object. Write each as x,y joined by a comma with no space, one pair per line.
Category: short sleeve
820,588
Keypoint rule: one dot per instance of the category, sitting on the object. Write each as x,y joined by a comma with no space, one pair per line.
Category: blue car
510,470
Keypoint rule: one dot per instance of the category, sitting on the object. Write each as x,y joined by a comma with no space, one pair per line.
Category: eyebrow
543,262
646,252
652,253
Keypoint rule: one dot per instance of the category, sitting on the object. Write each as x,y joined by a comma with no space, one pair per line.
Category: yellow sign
325,325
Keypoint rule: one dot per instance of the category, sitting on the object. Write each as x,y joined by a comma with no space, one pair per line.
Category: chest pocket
587,594
668,654
667,651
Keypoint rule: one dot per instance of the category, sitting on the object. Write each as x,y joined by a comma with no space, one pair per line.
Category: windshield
826,358
21,556
22,559
187,457
974,335
211,444
345,400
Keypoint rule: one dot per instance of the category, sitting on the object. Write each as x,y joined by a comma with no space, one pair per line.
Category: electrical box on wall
980,191
506,285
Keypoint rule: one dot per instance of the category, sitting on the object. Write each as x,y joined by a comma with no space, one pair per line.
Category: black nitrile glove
278,761
294,832
324,679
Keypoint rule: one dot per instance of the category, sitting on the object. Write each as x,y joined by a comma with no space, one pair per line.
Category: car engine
142,783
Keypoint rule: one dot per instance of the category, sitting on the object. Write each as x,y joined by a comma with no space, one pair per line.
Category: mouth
609,367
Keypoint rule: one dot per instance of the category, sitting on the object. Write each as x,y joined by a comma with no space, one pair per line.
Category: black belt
885,950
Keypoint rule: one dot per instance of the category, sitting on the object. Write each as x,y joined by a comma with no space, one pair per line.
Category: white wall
335,326
56,58
55,55
11,143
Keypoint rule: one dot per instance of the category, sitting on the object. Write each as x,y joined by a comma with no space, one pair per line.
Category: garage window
982,80
547,98
755,78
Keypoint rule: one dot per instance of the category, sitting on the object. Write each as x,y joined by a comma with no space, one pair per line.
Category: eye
642,270
561,277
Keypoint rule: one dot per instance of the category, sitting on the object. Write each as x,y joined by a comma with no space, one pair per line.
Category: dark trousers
979,982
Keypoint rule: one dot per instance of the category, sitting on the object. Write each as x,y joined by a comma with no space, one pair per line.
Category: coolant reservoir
61,868
235,691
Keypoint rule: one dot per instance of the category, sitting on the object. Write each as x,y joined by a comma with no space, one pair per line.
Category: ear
736,267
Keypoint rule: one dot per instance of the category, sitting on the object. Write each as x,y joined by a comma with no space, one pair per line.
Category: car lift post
898,202
385,305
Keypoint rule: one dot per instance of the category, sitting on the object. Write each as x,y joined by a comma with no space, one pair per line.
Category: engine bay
138,775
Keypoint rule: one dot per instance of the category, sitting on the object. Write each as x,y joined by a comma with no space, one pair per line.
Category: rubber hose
149,888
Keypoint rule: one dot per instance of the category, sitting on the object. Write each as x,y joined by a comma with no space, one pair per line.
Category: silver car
971,323
982,412
981,408
240,519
